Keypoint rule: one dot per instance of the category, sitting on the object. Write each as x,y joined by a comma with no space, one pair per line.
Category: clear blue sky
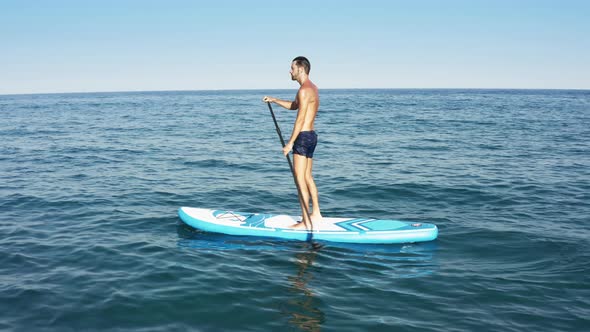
103,45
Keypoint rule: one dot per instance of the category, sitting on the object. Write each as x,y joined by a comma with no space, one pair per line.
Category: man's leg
316,215
300,165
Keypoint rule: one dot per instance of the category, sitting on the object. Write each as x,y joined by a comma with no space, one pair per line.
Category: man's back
309,103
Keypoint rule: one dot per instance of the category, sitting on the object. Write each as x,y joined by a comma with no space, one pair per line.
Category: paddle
305,209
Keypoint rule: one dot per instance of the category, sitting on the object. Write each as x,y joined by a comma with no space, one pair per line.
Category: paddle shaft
305,208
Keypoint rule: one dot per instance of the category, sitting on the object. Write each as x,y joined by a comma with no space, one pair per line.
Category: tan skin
307,102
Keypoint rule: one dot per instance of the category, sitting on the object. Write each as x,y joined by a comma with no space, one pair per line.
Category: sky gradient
87,46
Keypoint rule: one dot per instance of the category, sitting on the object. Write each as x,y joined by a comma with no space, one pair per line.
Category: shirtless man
303,138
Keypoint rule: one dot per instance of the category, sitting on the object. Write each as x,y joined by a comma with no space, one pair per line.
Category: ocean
90,185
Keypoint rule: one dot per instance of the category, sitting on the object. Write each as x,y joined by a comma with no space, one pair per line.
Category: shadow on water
303,308
411,252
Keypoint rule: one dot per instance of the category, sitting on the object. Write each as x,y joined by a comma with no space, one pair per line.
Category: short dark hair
302,61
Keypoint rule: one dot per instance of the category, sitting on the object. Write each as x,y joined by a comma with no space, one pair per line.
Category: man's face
294,71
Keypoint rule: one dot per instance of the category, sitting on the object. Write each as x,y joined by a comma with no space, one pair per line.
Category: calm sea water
90,185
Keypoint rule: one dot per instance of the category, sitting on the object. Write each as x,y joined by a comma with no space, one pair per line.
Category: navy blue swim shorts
305,143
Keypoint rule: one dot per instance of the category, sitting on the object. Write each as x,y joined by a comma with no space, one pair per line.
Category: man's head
298,65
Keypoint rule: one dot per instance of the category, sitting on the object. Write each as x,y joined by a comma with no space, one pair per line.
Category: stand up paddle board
351,230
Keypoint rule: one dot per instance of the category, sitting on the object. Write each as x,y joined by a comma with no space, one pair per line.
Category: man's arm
290,105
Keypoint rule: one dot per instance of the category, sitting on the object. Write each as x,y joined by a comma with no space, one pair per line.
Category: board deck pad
351,230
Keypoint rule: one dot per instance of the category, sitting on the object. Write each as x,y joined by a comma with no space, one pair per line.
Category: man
303,138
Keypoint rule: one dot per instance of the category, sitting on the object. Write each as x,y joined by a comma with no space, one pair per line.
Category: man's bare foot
316,218
299,225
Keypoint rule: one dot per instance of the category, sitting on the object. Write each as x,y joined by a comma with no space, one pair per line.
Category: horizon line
283,89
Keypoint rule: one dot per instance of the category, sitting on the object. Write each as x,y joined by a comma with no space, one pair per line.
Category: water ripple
90,185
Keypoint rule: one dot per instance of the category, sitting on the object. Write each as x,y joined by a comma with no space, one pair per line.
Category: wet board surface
351,230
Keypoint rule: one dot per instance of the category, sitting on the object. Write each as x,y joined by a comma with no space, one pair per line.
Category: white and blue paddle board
351,230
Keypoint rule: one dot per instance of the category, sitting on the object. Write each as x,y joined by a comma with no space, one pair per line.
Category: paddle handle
305,208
